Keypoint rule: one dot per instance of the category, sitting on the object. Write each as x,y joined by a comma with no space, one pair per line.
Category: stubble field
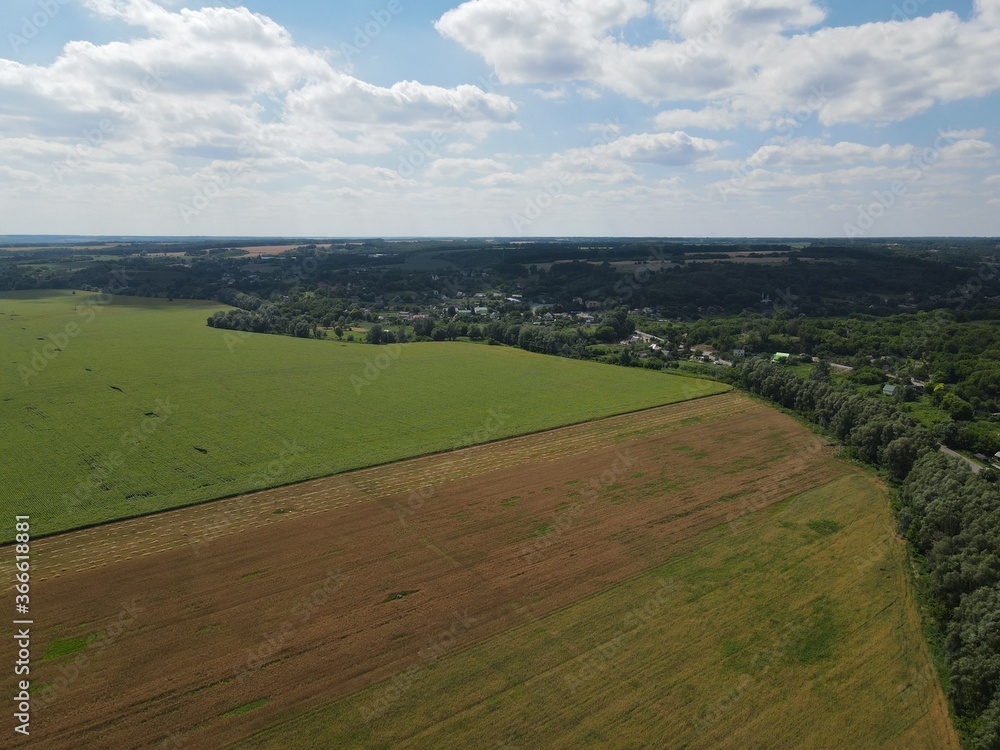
704,574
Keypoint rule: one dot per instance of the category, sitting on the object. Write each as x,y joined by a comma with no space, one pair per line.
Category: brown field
751,259
273,249
200,627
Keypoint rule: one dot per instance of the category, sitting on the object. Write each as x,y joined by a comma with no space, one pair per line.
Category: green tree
959,409
899,457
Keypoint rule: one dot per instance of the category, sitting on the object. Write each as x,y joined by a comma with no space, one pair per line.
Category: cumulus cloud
710,118
694,19
449,169
198,80
610,160
748,60
539,40
807,152
668,149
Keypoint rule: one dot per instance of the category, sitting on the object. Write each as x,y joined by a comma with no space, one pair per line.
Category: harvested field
206,625
800,633
260,251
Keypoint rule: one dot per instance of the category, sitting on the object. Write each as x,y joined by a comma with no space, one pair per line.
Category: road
976,468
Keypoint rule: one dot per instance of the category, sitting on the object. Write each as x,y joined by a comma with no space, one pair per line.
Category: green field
114,408
800,631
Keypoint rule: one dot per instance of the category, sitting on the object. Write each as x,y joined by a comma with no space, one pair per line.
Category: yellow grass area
795,628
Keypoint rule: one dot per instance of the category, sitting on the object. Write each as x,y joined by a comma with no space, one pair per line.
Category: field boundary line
348,472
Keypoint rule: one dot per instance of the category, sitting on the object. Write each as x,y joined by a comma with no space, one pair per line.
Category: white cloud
957,134
710,118
971,151
706,19
459,148
539,40
668,149
203,82
806,152
609,160
450,169
287,139
555,94
606,129
749,60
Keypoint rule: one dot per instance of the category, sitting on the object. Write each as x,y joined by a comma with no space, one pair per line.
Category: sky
522,118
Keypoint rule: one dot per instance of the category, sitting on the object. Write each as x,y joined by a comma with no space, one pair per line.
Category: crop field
704,574
713,649
118,407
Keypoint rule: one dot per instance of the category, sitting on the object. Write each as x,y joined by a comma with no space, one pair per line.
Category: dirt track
308,593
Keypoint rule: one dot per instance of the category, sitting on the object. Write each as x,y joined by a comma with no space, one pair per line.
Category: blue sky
500,117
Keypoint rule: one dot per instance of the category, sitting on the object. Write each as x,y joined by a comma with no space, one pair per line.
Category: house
780,357
482,310
890,390
739,352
